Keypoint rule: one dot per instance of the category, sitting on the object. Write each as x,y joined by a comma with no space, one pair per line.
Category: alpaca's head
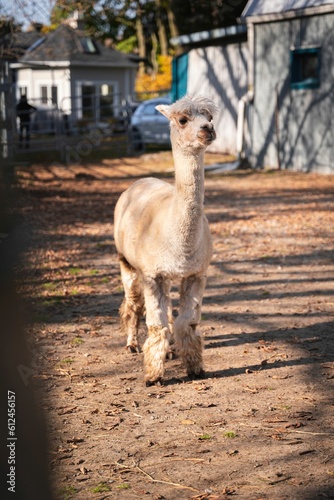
191,122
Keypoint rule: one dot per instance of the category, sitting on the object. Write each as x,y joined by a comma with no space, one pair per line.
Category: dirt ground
261,424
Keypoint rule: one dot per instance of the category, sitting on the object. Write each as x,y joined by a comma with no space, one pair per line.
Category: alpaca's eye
183,121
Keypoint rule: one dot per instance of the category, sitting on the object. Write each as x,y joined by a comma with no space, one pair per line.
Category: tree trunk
162,34
172,24
141,39
154,60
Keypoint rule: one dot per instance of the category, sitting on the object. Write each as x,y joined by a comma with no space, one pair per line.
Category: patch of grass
100,488
230,434
51,301
105,280
93,272
74,271
66,361
68,492
49,286
75,291
77,341
205,437
123,486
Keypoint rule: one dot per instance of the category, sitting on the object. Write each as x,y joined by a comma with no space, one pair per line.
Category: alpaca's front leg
156,345
189,342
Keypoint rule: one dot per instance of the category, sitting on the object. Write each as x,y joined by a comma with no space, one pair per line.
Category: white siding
34,79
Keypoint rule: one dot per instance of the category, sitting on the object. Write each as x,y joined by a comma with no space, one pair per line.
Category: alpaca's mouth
207,136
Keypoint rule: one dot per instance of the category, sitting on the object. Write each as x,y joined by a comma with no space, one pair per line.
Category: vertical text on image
11,440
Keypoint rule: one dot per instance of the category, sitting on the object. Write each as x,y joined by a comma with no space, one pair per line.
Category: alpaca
162,235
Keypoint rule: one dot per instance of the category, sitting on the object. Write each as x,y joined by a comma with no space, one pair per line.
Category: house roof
73,47
14,45
263,10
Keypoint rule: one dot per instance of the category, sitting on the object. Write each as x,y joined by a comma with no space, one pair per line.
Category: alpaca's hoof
149,383
196,375
133,349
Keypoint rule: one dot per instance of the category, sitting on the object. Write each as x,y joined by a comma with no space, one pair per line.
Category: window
54,95
88,101
88,45
49,95
150,110
106,94
305,68
97,101
44,95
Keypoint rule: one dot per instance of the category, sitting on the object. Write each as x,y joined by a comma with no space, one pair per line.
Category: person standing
23,112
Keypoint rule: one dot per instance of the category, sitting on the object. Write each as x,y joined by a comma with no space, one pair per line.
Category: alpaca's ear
164,109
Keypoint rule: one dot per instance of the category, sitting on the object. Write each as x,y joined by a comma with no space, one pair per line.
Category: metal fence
90,124
94,122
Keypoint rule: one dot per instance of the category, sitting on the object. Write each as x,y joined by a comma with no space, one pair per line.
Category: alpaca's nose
208,127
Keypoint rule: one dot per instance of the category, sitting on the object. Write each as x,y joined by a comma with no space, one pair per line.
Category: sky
26,11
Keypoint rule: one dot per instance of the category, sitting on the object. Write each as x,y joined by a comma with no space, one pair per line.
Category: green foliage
127,45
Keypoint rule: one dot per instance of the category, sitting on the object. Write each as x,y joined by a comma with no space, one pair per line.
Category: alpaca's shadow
304,338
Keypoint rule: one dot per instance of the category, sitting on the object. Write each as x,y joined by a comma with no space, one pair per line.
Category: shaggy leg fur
170,337
156,345
189,343
155,350
132,306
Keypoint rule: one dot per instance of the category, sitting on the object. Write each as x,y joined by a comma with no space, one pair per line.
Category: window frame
296,57
96,108
48,94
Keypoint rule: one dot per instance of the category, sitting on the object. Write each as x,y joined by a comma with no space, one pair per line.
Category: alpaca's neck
189,178
189,193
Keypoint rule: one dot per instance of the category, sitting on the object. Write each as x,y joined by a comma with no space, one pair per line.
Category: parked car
149,126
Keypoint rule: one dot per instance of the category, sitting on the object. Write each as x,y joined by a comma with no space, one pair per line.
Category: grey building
291,84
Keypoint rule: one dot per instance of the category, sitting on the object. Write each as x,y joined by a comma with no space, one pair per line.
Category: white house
71,71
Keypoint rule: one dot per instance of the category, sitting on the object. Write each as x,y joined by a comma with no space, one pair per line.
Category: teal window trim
305,63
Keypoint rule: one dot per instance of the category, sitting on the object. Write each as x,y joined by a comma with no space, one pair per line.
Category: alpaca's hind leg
167,287
156,345
132,306
189,342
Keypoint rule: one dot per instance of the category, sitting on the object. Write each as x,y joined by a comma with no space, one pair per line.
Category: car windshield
149,109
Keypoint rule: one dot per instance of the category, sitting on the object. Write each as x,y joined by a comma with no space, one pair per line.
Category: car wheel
136,140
